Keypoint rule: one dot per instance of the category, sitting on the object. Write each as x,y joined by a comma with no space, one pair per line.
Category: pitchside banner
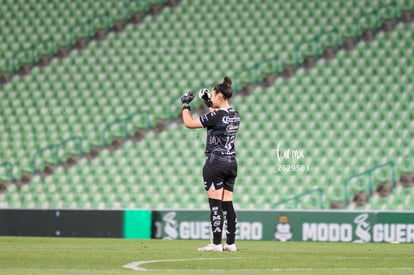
322,226
129,224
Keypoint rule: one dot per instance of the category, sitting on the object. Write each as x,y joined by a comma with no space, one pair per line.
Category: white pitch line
137,265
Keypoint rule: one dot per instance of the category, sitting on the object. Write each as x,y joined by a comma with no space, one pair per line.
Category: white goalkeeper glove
205,95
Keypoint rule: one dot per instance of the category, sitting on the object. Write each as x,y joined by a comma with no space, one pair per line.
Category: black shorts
219,172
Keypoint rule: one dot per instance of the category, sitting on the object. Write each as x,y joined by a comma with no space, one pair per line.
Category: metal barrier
125,122
369,183
375,13
32,50
297,198
55,148
255,70
9,166
316,40
87,23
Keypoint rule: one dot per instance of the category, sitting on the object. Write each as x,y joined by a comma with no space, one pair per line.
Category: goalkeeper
220,168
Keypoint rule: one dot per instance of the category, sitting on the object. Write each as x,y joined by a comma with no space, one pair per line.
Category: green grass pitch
35,255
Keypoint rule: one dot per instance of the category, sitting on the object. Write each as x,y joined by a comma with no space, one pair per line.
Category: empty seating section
143,68
47,25
341,118
150,173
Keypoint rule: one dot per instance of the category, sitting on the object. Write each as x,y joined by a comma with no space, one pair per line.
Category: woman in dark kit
220,168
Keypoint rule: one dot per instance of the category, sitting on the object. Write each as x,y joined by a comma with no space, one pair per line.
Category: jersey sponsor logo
231,130
228,119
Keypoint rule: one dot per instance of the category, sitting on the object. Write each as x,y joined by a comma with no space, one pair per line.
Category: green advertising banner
137,224
322,226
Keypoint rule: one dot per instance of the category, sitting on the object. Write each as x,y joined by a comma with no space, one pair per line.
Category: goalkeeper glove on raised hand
186,100
205,95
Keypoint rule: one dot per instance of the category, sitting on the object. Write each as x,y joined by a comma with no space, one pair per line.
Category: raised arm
189,121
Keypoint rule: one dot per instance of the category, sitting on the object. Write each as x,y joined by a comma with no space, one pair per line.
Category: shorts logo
214,186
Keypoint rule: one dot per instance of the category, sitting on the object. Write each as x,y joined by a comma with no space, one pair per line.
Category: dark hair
225,88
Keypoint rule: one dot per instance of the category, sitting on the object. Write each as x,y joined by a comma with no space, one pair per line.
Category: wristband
208,103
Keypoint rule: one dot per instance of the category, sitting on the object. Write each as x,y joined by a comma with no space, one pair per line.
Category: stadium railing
256,73
297,198
9,167
317,48
369,186
377,22
32,50
124,122
56,158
